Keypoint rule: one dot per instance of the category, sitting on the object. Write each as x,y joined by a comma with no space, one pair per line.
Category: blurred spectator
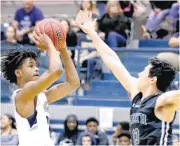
124,139
92,127
141,10
71,38
8,130
89,5
10,36
101,5
114,24
66,142
71,130
3,31
87,139
122,126
53,135
127,8
24,21
174,41
156,21
176,141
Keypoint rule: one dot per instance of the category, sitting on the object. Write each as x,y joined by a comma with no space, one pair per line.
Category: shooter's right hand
42,40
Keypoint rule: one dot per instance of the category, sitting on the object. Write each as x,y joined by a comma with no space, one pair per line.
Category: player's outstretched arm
167,104
72,80
108,56
33,88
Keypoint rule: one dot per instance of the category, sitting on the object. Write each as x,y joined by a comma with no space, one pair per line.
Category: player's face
86,141
29,70
144,80
124,141
10,32
92,127
71,124
5,122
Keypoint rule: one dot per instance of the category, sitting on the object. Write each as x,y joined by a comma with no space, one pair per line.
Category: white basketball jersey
34,131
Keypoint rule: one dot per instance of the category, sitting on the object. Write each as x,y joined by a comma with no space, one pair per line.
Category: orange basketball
55,30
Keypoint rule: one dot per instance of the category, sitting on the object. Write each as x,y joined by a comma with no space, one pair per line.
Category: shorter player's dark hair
164,71
92,119
12,61
124,125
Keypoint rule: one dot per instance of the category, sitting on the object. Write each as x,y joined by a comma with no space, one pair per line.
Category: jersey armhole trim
136,98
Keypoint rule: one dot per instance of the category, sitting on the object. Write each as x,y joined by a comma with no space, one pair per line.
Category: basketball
54,29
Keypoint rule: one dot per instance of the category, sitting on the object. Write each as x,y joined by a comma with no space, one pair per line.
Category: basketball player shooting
153,109
32,97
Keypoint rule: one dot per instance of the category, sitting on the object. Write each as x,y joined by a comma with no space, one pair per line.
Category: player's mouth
36,75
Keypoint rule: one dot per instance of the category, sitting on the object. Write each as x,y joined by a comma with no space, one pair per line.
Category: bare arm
167,104
33,88
113,62
72,80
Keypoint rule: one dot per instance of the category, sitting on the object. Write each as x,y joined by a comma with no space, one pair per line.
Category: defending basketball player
32,97
153,109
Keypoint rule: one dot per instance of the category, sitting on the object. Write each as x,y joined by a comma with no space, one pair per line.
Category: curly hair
164,71
14,60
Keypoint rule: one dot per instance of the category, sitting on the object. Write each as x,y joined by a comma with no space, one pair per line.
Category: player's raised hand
42,40
85,22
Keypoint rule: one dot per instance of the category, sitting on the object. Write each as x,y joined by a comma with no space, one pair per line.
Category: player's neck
149,91
20,84
6,130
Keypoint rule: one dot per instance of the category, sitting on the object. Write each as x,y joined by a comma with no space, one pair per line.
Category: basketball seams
54,29
60,27
53,33
59,43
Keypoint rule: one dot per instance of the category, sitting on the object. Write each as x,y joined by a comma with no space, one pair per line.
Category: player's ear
18,73
154,80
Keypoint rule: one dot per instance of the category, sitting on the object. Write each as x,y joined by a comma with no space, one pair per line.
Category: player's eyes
31,65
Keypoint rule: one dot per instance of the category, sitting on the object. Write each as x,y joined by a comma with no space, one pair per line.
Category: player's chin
35,78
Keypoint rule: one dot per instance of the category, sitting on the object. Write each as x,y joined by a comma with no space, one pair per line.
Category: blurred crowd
72,134
157,20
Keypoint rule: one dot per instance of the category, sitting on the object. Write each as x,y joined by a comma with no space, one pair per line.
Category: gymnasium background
100,95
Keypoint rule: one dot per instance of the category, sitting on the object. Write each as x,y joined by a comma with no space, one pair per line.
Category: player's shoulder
15,93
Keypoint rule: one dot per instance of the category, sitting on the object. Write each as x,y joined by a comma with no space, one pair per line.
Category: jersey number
135,133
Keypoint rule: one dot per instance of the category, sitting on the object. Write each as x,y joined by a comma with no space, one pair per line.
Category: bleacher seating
5,91
153,43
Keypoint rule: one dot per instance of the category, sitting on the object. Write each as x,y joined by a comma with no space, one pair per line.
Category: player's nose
36,69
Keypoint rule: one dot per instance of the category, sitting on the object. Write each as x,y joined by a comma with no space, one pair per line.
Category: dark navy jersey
146,128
